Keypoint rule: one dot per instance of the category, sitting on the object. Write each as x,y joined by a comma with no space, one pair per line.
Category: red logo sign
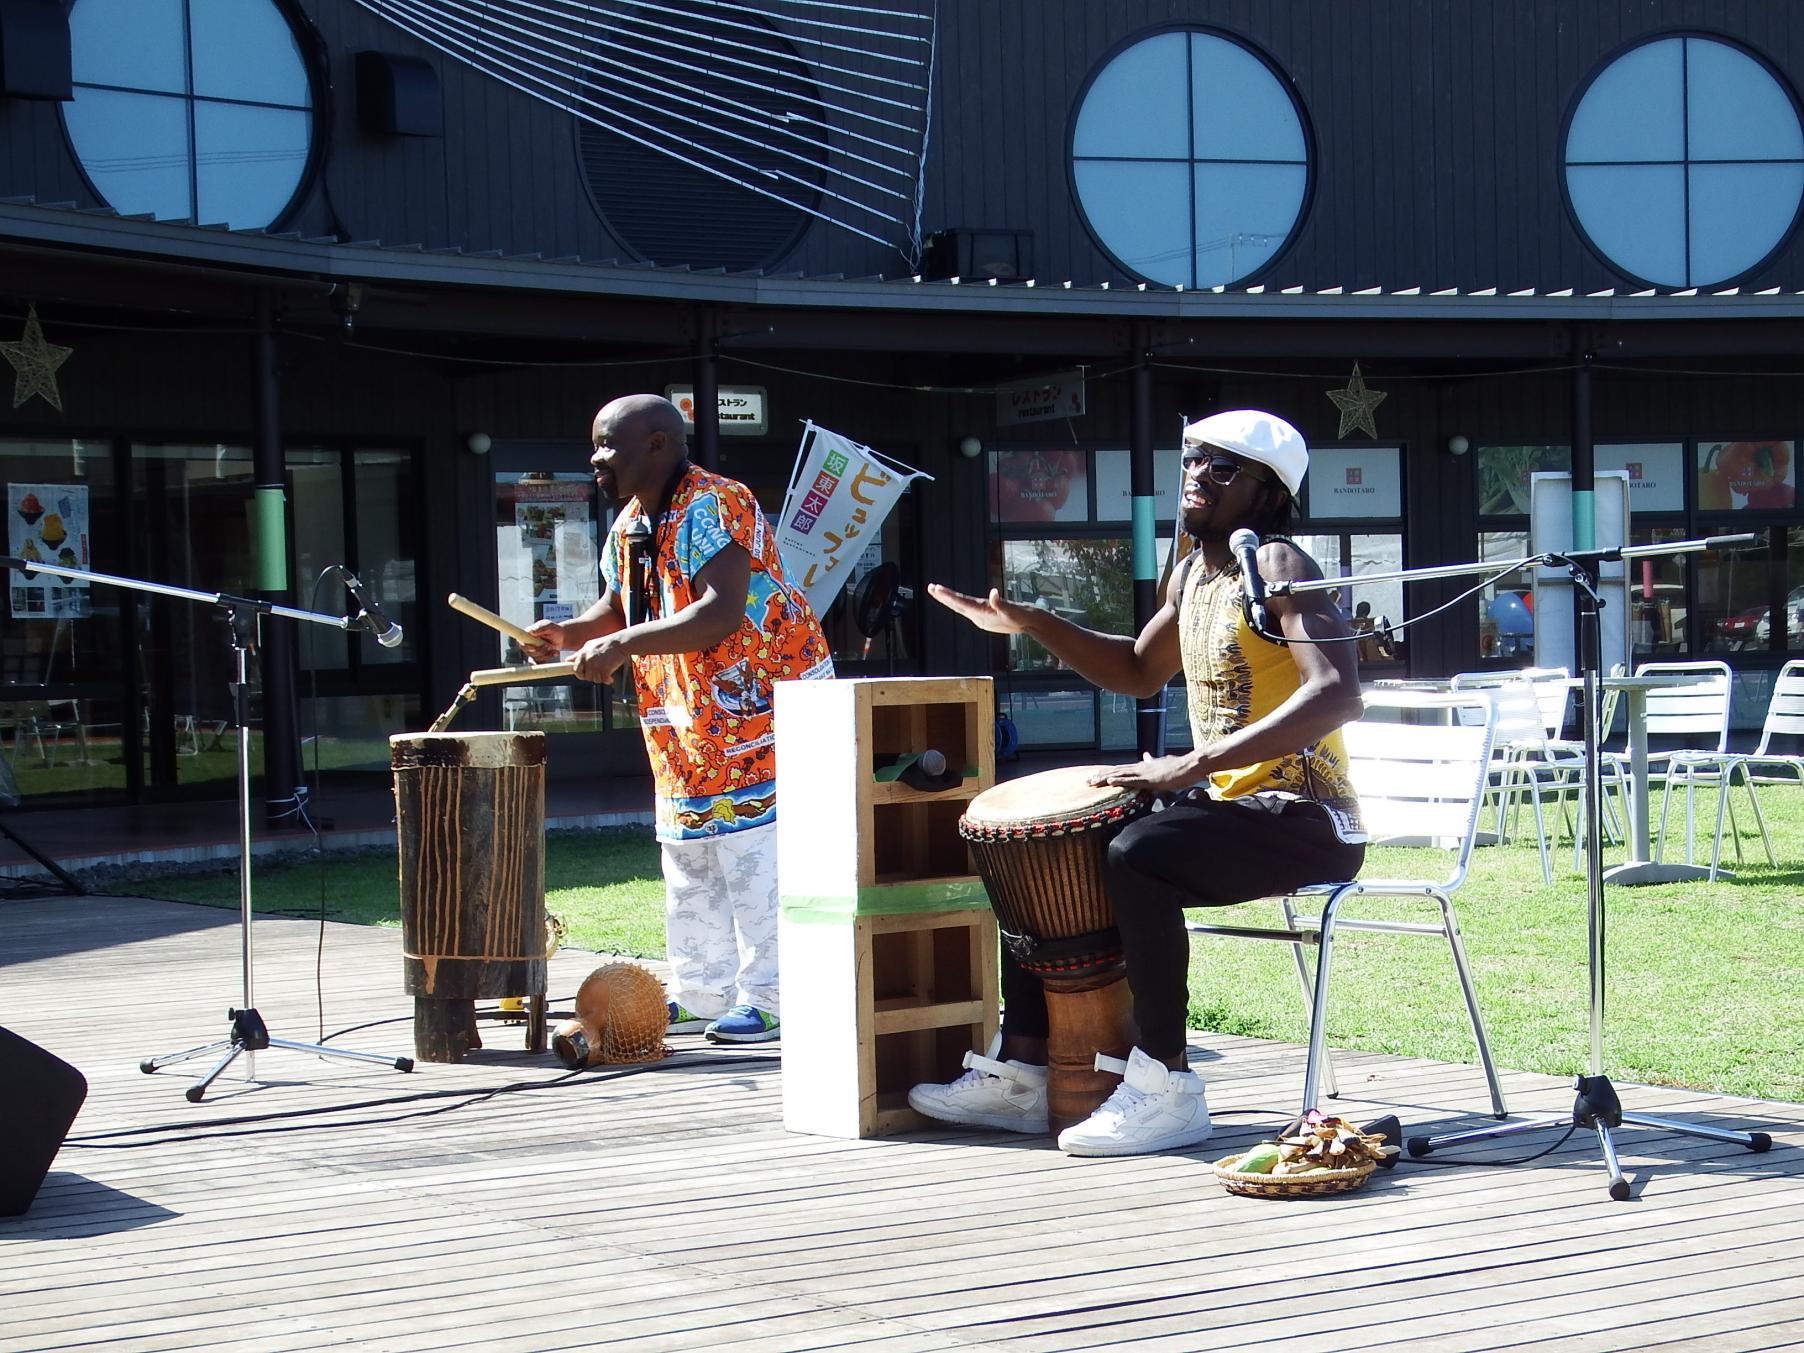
1353,474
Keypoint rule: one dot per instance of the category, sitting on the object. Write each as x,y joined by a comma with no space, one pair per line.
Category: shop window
199,501
61,640
196,110
1114,484
1506,618
1504,476
1062,516
1659,599
1684,162
1190,159
1752,601
355,507
1372,610
548,535
1353,520
1746,476
1033,486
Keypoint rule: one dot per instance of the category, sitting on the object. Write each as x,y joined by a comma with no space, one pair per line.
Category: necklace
652,592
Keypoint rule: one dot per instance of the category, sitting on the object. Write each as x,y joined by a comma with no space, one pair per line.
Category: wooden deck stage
669,1209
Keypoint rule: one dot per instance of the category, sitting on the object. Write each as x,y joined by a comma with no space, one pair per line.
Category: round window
669,177
1189,159
190,109
1684,162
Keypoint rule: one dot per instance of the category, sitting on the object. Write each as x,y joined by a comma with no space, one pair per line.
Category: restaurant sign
1036,400
744,409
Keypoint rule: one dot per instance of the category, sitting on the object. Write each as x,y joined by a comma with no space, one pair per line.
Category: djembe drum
1039,843
470,827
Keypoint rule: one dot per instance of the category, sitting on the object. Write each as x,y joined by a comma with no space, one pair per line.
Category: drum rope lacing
985,831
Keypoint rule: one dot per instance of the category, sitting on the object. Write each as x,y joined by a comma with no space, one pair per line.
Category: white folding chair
1784,719
1414,781
1697,713
1521,766
1696,770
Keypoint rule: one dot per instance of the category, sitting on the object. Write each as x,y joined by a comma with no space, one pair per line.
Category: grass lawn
1705,980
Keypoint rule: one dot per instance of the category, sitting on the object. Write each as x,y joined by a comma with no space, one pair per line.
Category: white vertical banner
838,498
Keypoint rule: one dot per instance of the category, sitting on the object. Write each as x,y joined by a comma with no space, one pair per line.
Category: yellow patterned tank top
1236,678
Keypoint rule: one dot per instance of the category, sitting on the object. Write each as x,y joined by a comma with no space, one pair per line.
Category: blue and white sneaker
681,1021
744,1024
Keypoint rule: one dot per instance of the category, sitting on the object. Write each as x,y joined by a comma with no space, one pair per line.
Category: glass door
196,513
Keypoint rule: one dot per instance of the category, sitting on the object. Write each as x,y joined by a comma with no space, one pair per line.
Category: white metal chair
1414,781
1784,719
1698,714
1521,766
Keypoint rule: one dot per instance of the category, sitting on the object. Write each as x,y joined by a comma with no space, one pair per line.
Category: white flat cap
1255,435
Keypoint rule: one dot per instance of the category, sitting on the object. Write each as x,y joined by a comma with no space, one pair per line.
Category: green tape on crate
272,540
887,899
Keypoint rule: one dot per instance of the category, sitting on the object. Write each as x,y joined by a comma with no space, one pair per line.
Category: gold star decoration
35,363
1356,405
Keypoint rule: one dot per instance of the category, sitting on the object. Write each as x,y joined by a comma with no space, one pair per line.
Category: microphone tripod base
1597,1107
249,1034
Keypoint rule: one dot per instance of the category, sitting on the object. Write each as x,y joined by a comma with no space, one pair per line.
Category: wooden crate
887,938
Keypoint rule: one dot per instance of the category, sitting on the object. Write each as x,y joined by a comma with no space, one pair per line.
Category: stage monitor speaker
398,95
979,255
34,50
46,1094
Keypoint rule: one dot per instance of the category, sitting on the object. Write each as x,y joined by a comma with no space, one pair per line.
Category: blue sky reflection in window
190,109
1684,162
1190,160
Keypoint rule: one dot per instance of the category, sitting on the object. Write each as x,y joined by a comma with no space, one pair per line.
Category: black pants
1198,852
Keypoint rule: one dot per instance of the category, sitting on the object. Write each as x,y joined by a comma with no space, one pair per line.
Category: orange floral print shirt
707,716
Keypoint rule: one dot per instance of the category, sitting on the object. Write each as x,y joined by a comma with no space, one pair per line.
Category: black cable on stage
166,1134
1475,1160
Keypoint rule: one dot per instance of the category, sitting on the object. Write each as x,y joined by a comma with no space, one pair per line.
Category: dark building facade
388,258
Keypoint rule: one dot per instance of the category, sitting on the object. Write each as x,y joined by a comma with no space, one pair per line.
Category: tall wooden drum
470,825
1039,843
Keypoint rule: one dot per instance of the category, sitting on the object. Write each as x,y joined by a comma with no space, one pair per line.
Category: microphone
384,630
1245,546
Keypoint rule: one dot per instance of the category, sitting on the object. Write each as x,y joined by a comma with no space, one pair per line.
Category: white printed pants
720,920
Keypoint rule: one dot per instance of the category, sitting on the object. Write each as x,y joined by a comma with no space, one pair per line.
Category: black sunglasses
1221,470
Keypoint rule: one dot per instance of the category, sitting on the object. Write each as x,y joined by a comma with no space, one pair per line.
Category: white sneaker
1008,1096
1153,1109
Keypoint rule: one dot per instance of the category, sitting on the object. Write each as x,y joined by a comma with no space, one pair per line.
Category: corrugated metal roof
66,224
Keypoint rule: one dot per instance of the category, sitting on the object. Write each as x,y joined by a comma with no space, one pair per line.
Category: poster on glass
48,523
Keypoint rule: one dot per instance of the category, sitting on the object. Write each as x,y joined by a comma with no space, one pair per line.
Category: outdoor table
1641,867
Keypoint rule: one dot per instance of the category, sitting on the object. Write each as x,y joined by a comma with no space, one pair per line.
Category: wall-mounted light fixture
479,443
970,447
1457,445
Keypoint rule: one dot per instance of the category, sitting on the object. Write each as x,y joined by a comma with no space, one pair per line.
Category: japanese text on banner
836,505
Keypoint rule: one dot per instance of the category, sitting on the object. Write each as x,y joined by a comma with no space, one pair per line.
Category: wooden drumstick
493,621
509,676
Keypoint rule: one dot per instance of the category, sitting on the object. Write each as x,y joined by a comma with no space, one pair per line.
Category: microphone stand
1596,1104
248,1034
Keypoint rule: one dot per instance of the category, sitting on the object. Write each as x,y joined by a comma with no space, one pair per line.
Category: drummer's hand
990,613
1154,775
550,637
599,659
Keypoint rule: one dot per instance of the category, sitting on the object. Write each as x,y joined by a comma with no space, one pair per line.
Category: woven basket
1291,1185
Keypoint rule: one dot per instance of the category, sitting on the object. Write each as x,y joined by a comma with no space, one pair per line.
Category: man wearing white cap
1260,807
